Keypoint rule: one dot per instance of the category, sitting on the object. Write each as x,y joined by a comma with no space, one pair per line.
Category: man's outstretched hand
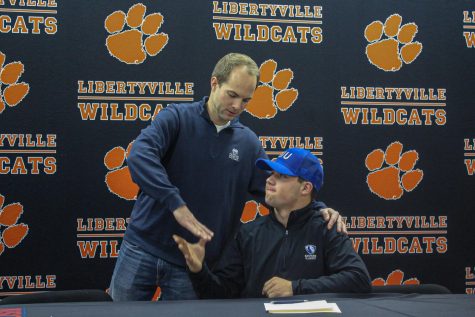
194,253
188,221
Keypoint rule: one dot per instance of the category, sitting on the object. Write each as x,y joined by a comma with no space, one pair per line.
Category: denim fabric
137,275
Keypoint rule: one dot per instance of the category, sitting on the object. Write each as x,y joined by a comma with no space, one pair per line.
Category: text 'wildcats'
278,23
393,106
469,160
469,26
383,235
22,154
100,237
28,16
128,100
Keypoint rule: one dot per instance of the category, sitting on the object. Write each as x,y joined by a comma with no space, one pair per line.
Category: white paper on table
318,306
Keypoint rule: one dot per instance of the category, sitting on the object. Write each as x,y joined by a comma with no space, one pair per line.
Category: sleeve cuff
174,201
295,287
199,276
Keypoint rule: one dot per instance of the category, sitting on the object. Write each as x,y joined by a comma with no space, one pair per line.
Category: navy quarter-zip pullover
181,159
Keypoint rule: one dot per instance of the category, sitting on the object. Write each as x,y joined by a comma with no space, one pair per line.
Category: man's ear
307,188
214,82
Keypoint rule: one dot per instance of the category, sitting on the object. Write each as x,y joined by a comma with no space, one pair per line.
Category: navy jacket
180,159
315,259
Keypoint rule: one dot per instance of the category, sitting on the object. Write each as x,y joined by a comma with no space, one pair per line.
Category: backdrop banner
381,91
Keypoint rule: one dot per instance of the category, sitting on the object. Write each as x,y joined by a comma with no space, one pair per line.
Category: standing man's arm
148,172
258,181
333,217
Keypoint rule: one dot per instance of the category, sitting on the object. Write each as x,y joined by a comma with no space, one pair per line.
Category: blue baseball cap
296,162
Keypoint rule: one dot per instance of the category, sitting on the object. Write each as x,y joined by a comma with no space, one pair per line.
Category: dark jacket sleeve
345,270
147,153
257,183
227,278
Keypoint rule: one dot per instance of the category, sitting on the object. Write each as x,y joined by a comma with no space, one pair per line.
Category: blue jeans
138,273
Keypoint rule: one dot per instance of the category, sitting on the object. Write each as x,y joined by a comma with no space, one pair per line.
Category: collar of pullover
204,113
299,216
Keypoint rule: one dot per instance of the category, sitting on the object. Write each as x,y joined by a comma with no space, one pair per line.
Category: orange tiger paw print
265,103
14,233
14,92
118,179
386,182
251,209
128,46
396,277
385,53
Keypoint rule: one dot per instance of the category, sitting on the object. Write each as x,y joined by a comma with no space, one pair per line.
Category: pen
290,301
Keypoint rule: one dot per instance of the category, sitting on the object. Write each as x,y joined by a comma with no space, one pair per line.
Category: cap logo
286,155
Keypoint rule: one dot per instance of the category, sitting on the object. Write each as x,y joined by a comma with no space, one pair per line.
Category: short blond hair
226,64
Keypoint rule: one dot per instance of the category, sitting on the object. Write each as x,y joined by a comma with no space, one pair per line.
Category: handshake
194,253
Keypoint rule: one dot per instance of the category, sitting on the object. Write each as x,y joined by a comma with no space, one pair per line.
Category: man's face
283,191
228,100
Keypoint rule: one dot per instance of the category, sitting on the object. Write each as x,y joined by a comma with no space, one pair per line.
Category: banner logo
128,101
11,91
251,209
128,46
38,147
25,17
262,22
469,156
265,102
469,25
387,182
118,179
13,233
25,284
396,277
411,106
398,46
388,235
100,237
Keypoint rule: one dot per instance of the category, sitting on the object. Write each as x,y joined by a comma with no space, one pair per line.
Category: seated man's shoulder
254,225
318,223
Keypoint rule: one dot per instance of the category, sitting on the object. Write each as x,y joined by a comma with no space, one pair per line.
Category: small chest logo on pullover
234,155
310,249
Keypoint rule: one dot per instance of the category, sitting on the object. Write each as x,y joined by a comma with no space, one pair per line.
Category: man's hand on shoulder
194,253
333,216
187,220
277,287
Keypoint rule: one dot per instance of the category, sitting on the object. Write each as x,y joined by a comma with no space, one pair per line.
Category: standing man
195,167
290,252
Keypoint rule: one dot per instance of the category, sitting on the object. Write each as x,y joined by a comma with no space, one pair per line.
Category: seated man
290,252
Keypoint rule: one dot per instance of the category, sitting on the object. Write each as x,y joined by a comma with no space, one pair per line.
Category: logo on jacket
234,155
310,249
